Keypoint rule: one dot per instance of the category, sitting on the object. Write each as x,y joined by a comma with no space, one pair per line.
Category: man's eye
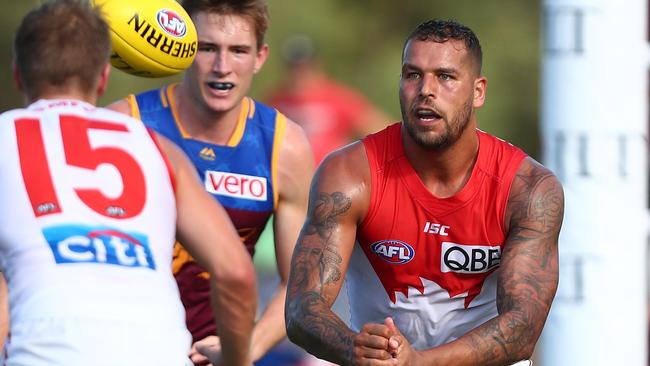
412,75
444,77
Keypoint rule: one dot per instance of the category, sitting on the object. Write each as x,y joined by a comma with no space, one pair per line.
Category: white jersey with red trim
86,237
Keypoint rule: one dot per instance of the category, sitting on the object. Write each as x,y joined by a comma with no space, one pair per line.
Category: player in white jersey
92,203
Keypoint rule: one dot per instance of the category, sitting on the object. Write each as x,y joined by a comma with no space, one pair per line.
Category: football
150,38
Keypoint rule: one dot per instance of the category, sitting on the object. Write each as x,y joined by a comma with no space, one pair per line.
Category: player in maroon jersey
456,261
210,108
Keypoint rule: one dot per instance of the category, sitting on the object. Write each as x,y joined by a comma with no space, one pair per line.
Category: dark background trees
360,43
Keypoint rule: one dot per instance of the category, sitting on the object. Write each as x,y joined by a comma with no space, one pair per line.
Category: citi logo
236,185
393,251
460,258
436,229
207,154
171,23
101,245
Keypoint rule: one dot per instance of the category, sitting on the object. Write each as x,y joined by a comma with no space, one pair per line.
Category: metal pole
594,125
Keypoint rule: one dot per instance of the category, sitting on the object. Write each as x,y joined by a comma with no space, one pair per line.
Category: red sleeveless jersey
430,262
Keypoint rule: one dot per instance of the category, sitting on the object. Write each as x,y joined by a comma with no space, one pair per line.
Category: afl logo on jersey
393,251
172,23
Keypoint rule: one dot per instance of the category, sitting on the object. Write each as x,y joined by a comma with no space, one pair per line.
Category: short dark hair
443,30
62,44
254,10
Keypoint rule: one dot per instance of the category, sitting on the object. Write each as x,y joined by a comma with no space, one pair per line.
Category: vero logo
236,185
102,245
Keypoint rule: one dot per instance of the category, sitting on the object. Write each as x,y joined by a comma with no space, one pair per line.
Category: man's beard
451,133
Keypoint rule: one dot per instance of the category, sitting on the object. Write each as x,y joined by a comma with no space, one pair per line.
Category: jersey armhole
371,156
133,106
170,170
280,126
508,179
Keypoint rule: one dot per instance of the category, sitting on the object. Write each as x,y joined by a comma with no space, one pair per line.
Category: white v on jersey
86,237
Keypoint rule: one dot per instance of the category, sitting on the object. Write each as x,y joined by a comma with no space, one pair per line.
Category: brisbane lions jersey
86,238
241,175
430,263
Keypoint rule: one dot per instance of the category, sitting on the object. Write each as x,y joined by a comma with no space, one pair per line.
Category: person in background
252,159
332,113
93,202
446,235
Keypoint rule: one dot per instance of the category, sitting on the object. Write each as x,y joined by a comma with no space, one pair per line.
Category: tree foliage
360,43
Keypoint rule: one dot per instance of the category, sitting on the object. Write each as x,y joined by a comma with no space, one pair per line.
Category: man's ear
18,81
103,80
480,89
260,57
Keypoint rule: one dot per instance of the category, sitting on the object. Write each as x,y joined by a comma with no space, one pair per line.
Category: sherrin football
150,38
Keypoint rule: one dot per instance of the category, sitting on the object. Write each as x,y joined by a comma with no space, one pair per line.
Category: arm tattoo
323,224
529,269
316,265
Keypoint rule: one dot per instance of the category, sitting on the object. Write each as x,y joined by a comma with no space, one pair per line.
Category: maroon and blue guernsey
241,175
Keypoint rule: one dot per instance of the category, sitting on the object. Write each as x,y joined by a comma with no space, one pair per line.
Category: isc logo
460,258
236,185
84,244
431,228
393,251
172,23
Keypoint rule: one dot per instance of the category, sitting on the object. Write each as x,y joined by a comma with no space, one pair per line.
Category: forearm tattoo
316,265
529,270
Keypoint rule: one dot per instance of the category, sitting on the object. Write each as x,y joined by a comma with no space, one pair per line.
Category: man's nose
222,64
429,86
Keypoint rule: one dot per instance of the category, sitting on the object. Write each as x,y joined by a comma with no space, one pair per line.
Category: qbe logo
171,23
236,185
460,258
393,251
103,245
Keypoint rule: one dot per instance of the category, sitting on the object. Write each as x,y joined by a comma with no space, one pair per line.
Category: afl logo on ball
171,23
393,251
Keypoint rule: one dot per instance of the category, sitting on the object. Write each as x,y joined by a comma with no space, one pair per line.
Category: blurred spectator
331,113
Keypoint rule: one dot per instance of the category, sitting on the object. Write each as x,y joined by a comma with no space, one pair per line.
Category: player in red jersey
331,112
456,261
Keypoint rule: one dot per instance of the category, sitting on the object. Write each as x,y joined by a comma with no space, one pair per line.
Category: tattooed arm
338,202
526,284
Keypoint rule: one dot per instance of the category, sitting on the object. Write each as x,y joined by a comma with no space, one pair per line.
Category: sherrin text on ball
151,38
